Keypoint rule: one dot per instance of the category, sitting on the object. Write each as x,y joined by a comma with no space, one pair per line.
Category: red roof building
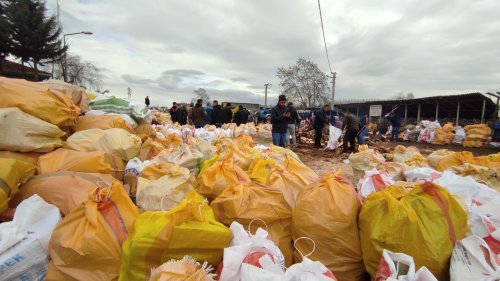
15,70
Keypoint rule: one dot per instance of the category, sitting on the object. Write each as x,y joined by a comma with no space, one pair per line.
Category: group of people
284,119
214,114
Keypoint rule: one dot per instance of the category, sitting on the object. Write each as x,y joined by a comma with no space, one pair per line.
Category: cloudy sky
166,48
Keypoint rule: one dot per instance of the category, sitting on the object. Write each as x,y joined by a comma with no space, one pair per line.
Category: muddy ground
322,161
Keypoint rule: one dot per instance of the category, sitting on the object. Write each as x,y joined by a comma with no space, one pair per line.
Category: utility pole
265,98
334,76
129,93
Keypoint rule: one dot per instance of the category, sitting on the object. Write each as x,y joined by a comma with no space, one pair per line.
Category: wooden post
458,113
482,112
418,114
437,111
406,113
357,111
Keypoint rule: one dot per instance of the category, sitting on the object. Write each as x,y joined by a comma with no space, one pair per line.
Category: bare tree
304,83
202,94
80,73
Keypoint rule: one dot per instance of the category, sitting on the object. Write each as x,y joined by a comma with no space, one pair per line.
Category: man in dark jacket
173,113
227,114
279,119
216,114
292,123
146,100
320,120
241,116
208,110
199,114
351,126
182,115
395,123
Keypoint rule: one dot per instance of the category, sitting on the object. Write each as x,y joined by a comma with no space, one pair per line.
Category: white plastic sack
459,135
24,241
485,223
244,245
472,259
269,271
401,267
469,190
373,181
308,270
333,141
421,174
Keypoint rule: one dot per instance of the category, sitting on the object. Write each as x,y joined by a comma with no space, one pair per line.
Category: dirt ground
322,161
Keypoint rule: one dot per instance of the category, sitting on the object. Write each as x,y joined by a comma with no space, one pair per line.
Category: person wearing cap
292,123
279,120
351,126
320,120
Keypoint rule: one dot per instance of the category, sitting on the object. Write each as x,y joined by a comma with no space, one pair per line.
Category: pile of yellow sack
444,135
477,135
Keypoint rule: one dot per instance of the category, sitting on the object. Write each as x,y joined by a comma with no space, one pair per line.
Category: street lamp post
65,73
267,85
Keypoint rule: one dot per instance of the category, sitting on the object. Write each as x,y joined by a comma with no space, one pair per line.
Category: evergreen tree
4,33
35,37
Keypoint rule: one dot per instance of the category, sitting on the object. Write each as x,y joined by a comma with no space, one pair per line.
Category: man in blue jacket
279,119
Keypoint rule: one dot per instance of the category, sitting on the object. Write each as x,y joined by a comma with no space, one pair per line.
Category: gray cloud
377,48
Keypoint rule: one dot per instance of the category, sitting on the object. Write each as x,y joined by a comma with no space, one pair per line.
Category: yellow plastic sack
146,130
424,223
115,141
478,129
291,178
443,137
240,158
183,156
37,100
201,145
12,173
165,192
150,148
215,178
75,93
186,269
279,154
255,203
454,159
30,157
395,170
364,160
328,214
87,244
243,140
24,133
416,161
101,122
77,161
482,174
401,153
188,229
436,156
65,190
260,170
474,143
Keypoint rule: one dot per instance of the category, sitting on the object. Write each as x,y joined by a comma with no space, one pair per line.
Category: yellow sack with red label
327,212
266,207
87,244
13,172
77,161
423,222
188,229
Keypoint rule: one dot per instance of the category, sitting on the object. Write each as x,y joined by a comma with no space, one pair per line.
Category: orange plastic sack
221,174
85,162
247,203
12,173
65,190
100,122
328,214
436,156
37,100
87,244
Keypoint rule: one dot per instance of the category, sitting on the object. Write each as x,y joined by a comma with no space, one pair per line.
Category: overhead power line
324,40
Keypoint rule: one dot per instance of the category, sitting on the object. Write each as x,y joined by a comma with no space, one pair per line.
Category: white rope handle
307,238
250,225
